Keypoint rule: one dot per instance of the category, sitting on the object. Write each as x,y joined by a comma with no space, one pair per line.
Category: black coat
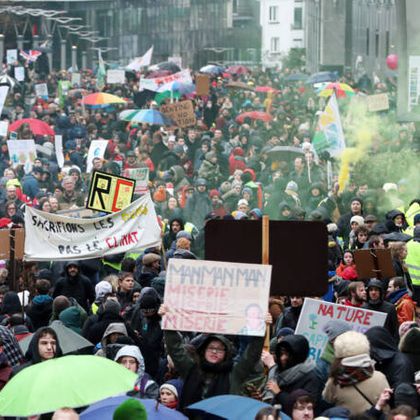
291,317
95,325
391,322
40,313
396,366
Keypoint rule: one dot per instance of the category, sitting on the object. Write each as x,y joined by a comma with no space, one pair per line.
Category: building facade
282,27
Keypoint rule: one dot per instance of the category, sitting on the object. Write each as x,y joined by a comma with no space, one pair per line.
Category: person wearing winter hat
243,206
344,226
353,382
131,409
131,358
150,269
292,195
170,393
375,302
405,394
102,289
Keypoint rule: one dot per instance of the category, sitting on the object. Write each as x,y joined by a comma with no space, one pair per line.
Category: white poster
58,143
413,81
4,90
20,74
316,313
50,237
96,150
4,127
115,77
22,152
76,79
41,90
216,297
183,76
11,56
141,176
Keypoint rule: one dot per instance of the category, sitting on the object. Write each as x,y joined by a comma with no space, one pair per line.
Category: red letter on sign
117,191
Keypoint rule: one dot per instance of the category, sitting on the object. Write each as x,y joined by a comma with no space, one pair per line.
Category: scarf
394,297
352,375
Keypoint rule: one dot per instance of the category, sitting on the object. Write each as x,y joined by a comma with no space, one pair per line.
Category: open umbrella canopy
70,341
322,76
101,99
238,70
167,66
212,69
286,153
38,127
69,381
266,89
240,86
231,407
104,410
296,77
150,116
341,90
176,86
254,115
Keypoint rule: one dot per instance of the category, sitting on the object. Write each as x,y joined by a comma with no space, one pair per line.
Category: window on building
275,44
297,43
386,43
297,21
273,14
367,41
235,6
377,44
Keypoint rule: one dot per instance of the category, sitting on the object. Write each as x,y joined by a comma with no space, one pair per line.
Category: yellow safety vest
413,261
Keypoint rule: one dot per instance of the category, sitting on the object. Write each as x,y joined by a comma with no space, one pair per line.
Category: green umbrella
167,94
69,381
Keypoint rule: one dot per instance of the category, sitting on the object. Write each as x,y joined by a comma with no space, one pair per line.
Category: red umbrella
254,115
238,70
266,89
38,127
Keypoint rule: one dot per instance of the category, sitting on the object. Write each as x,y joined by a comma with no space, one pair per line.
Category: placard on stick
374,263
298,252
202,83
181,112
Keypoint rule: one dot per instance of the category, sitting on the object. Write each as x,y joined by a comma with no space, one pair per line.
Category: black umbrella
322,76
166,65
397,237
286,153
295,77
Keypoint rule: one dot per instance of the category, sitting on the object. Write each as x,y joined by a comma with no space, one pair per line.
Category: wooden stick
265,261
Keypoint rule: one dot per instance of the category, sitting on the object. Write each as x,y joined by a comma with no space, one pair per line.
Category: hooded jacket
395,365
40,311
299,372
145,387
109,349
391,322
410,346
72,318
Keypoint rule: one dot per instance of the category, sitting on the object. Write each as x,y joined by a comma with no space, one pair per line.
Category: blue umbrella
150,116
104,410
295,77
181,88
212,69
322,76
231,407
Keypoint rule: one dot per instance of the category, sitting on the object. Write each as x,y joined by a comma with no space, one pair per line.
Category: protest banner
215,297
41,90
22,152
96,150
316,313
182,76
202,83
115,77
109,193
141,176
379,102
76,79
20,74
76,212
4,127
51,237
11,56
58,143
182,113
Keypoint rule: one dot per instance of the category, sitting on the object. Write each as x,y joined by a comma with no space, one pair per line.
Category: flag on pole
101,72
329,134
30,55
142,61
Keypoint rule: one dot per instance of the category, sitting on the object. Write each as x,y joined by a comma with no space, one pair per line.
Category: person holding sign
212,372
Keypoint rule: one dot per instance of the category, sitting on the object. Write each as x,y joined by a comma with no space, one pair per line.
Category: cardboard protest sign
22,152
97,149
109,193
316,313
51,237
240,241
182,113
141,176
115,77
215,297
6,243
4,127
76,79
41,90
374,263
20,74
202,84
58,142
11,56
379,102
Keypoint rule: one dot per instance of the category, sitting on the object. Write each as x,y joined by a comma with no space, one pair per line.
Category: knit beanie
405,394
174,386
334,328
102,288
351,343
130,409
358,219
292,186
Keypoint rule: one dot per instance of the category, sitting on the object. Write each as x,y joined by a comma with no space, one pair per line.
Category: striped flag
30,55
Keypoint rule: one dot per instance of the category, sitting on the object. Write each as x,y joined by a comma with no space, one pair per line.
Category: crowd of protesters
218,169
